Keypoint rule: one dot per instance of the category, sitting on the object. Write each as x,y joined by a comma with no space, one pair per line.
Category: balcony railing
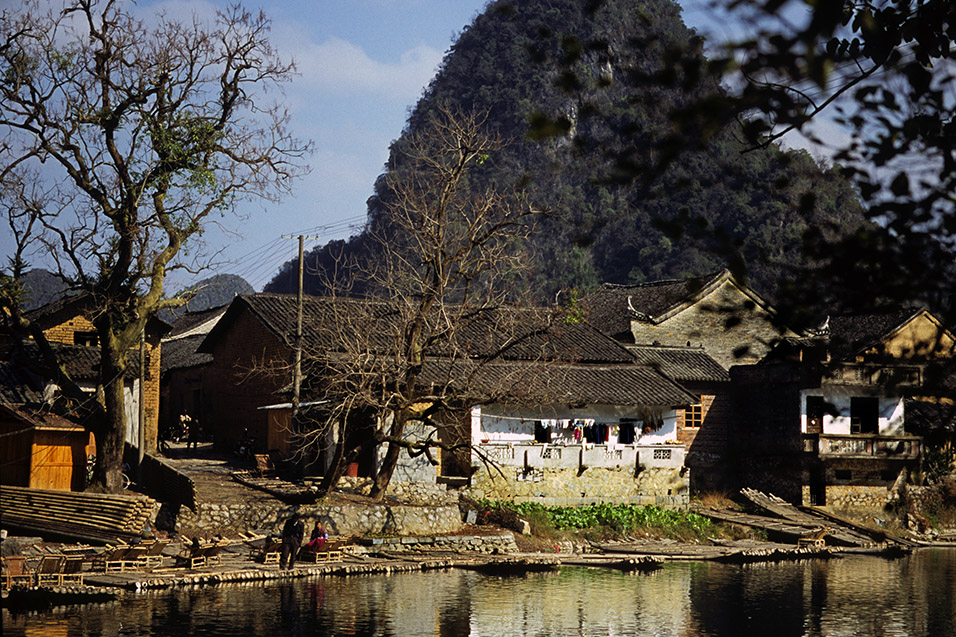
862,446
578,457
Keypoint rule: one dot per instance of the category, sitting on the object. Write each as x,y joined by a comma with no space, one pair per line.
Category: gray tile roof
611,307
180,353
17,385
191,321
850,334
540,382
683,364
508,333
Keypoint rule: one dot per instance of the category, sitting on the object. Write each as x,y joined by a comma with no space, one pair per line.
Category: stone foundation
664,487
858,497
339,519
503,543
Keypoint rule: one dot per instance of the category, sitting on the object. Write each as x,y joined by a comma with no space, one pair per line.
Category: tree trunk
111,438
390,462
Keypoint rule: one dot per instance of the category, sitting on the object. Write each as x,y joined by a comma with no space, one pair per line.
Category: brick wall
249,367
64,333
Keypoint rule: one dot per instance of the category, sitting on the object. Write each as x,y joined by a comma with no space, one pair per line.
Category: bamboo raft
91,517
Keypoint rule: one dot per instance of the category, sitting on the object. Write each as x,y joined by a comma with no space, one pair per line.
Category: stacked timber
92,517
836,534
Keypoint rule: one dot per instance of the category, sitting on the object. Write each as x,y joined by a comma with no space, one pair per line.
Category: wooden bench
267,553
264,465
330,552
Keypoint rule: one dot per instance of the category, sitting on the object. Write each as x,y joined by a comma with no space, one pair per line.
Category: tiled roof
683,364
181,353
560,383
78,304
195,322
80,363
850,334
374,326
611,307
17,385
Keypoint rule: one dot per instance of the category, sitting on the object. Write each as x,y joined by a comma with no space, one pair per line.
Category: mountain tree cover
215,291
120,140
578,88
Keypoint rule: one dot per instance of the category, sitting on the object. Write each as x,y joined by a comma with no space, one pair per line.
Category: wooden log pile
91,517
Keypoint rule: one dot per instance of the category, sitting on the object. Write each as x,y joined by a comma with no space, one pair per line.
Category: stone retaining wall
504,543
339,519
664,487
858,497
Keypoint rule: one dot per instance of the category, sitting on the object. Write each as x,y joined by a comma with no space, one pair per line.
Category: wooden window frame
694,416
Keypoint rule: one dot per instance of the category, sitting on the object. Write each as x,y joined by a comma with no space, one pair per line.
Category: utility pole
297,366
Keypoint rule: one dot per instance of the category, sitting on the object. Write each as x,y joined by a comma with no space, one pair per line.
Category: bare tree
435,316
142,135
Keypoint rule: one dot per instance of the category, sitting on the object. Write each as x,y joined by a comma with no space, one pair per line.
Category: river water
856,595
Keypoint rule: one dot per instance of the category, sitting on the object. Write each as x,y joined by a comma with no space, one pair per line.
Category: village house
558,378
46,445
67,322
693,330
704,428
41,449
182,372
823,419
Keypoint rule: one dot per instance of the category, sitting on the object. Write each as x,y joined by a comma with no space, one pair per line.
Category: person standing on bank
292,534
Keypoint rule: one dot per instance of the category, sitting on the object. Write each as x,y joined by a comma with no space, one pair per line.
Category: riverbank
493,552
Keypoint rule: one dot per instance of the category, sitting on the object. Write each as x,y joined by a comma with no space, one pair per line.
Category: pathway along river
854,595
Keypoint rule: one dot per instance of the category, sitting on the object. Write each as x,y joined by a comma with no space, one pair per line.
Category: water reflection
850,596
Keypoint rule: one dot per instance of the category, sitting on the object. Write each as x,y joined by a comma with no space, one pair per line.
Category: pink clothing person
318,538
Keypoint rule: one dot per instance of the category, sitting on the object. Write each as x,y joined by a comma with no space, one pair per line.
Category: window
694,416
86,339
815,412
864,415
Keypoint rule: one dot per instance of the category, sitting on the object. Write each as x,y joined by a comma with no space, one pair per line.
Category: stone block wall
566,487
857,496
340,519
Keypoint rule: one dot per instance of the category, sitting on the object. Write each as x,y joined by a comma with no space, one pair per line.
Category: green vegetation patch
605,519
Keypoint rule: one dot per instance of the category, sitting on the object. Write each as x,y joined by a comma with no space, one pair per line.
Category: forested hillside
212,292
585,92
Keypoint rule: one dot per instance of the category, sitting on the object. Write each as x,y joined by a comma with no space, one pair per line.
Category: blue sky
363,65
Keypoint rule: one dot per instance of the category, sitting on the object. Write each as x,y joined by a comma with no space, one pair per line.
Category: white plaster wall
890,421
501,423
131,398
